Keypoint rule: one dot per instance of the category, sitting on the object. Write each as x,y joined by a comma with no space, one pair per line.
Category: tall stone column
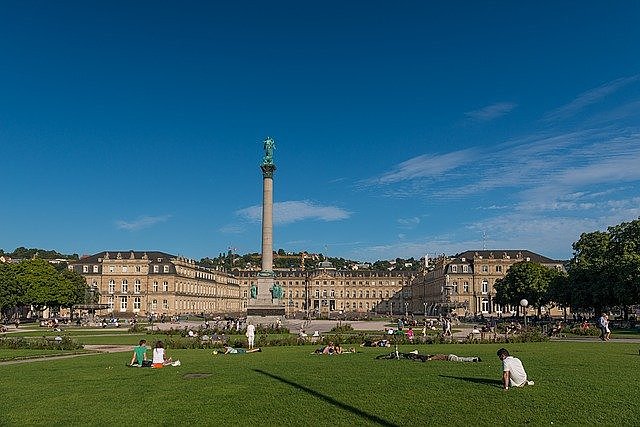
265,305
267,218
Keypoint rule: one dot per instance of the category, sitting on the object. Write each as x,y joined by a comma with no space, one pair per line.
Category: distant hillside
24,253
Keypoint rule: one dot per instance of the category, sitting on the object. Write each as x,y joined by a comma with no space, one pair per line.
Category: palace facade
145,283
464,283
327,291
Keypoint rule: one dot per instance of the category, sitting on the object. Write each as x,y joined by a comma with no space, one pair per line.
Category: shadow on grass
331,400
485,381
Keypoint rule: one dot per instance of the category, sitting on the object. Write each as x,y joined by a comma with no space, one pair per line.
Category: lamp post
406,309
391,310
425,309
524,303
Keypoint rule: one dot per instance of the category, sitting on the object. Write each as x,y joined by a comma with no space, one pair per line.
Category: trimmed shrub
65,343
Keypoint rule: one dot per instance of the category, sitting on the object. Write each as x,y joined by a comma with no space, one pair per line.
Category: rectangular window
166,269
123,303
454,268
85,268
165,286
136,287
466,286
156,269
138,269
485,286
498,269
125,286
317,293
112,286
110,303
154,304
155,286
165,304
136,303
485,268
465,268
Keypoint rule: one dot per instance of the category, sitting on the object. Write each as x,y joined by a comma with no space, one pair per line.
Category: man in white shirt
513,373
251,334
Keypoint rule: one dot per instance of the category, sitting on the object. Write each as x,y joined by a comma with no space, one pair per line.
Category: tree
525,280
11,294
590,272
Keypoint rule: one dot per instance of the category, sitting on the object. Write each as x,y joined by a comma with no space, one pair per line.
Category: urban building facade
158,283
464,284
326,291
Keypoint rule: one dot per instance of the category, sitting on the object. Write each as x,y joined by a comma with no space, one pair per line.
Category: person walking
603,324
513,373
605,328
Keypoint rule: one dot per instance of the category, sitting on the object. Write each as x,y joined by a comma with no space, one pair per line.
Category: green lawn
576,383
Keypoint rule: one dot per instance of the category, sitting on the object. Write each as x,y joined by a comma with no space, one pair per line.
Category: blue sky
401,128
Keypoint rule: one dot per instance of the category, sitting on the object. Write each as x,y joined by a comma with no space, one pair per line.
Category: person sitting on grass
160,359
231,350
139,354
513,373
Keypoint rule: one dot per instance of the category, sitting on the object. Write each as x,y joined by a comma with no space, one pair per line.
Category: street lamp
406,309
524,303
425,309
391,312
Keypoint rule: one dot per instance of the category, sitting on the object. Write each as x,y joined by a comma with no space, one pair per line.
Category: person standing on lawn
513,373
251,334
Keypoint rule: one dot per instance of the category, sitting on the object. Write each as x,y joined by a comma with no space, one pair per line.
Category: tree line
39,284
603,273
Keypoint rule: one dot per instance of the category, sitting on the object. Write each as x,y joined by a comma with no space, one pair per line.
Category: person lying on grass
331,349
231,350
376,343
428,357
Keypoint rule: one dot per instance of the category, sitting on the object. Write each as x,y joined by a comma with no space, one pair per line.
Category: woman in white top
159,356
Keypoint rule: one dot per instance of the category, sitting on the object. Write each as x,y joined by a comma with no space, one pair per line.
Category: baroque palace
326,290
464,283
145,283
136,282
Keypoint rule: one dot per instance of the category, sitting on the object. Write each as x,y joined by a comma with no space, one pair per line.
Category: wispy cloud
141,222
424,166
409,223
491,112
232,229
294,211
589,97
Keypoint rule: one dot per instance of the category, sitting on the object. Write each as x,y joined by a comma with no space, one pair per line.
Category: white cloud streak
295,211
141,222
425,166
589,97
491,112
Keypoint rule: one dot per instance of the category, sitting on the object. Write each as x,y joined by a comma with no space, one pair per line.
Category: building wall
327,291
465,283
158,283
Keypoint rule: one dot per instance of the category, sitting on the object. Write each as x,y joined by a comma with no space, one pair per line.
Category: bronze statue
269,146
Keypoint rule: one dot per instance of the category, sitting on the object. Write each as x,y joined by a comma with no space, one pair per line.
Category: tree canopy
38,283
605,268
525,280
